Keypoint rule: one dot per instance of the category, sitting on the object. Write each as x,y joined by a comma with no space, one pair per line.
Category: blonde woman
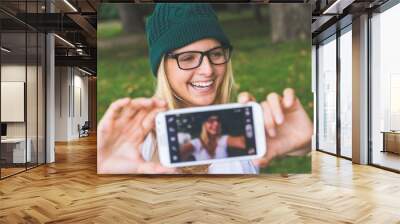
190,56
211,144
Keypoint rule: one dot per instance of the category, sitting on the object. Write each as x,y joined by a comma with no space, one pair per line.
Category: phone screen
211,135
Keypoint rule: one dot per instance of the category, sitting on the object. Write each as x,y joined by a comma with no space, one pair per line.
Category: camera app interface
211,135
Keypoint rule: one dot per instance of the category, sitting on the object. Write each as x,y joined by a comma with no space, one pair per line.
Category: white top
234,167
200,153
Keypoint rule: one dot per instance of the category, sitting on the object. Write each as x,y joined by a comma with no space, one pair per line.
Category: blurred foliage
109,30
260,67
107,11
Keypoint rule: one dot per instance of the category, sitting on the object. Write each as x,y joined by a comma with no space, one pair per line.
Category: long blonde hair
205,137
164,91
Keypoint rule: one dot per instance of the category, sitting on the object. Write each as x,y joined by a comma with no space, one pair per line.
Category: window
346,92
385,88
22,77
327,95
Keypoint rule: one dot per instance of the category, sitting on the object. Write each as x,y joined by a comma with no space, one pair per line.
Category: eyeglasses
193,59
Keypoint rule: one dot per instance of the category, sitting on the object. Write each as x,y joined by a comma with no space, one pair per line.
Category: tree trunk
257,13
132,18
289,22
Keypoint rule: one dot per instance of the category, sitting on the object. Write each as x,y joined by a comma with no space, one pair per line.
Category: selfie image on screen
211,135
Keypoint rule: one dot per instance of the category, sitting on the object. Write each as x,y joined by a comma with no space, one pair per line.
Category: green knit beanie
173,26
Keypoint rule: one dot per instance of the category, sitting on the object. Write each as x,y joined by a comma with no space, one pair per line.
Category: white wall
12,73
61,103
80,110
71,94
13,94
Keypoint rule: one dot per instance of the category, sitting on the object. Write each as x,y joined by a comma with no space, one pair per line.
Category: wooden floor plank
70,191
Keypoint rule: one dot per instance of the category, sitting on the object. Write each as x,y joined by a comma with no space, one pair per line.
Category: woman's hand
121,133
287,125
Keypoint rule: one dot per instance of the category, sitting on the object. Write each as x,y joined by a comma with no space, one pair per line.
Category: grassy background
260,67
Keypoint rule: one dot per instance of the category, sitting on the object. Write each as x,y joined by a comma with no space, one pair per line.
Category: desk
391,141
15,148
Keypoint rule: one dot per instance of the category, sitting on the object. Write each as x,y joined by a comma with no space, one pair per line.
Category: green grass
289,164
109,29
260,67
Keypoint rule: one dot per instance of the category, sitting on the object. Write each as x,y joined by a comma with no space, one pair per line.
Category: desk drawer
19,153
6,154
15,152
392,141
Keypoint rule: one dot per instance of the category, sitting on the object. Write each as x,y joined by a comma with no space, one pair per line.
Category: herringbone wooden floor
70,191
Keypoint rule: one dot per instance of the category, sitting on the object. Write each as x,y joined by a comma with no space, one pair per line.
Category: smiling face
212,125
198,86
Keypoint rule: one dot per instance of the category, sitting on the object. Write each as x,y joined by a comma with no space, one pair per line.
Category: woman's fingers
143,121
122,110
268,119
289,97
135,106
142,103
245,97
149,120
130,111
115,109
144,106
160,102
274,101
125,125
107,123
263,162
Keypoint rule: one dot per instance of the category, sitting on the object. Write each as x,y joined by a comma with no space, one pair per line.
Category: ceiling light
338,6
5,50
79,51
70,5
84,71
64,40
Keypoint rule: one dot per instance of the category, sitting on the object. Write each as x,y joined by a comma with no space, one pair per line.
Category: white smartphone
210,134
